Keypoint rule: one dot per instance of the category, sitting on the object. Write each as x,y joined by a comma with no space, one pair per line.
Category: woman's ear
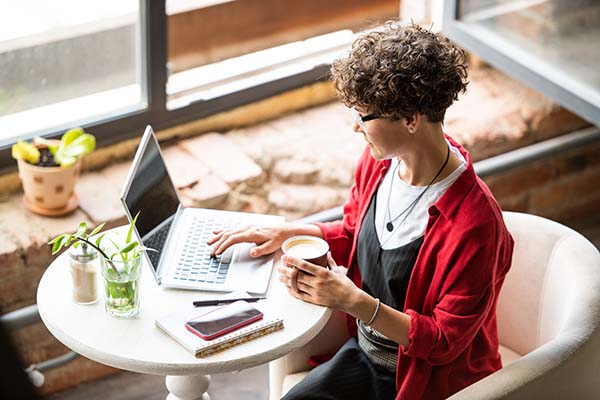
412,122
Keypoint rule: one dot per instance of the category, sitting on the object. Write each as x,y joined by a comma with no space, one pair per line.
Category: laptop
182,257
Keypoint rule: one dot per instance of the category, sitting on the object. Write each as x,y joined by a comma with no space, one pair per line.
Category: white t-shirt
401,197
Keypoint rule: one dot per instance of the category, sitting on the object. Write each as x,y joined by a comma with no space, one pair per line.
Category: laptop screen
152,193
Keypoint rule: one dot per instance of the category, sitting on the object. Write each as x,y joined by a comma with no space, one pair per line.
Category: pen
224,301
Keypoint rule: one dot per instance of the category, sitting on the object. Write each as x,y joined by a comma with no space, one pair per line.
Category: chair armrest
564,368
333,335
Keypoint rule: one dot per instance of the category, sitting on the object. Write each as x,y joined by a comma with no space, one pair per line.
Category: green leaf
81,230
56,239
74,144
64,160
97,229
67,241
131,226
114,244
63,241
57,245
69,136
26,152
128,247
144,248
115,247
80,146
99,239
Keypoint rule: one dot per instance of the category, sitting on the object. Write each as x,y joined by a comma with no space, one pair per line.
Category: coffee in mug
309,248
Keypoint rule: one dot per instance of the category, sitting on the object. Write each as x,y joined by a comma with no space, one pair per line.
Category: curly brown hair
398,71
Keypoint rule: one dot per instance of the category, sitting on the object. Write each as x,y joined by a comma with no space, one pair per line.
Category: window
67,62
114,66
208,41
551,45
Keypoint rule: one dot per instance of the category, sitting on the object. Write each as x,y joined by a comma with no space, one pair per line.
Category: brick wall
564,188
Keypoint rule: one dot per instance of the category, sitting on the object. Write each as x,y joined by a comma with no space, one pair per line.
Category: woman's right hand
268,239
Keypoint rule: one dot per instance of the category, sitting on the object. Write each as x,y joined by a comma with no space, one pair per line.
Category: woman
422,236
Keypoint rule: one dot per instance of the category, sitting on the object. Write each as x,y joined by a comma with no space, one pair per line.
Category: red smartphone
223,320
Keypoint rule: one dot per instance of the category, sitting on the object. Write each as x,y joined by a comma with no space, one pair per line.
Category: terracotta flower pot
49,190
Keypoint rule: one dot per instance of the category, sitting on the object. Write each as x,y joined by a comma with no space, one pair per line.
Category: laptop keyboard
195,264
156,241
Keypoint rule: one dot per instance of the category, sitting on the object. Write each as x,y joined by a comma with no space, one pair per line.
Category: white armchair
548,321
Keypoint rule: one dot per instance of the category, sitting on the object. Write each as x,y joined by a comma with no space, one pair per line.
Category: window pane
220,46
207,31
65,62
562,36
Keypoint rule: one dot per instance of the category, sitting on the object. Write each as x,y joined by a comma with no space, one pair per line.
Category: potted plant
49,169
120,263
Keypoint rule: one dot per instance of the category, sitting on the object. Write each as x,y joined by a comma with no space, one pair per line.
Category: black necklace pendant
389,226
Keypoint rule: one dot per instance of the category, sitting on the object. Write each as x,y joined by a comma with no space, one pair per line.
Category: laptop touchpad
243,253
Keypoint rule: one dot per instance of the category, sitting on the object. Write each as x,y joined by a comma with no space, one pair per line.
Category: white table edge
191,368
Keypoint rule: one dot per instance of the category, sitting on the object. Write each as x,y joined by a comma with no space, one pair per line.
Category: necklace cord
412,205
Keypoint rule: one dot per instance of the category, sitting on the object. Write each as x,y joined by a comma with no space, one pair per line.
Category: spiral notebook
174,325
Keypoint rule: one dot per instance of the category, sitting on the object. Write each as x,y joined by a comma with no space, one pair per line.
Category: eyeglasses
361,119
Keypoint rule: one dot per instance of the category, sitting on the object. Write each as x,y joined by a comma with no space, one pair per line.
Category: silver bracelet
374,314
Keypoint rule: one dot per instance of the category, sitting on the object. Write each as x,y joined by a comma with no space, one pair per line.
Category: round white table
140,346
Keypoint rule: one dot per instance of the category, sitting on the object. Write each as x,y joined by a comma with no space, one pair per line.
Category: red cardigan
453,290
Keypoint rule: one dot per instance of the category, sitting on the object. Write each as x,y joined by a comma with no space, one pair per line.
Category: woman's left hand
318,285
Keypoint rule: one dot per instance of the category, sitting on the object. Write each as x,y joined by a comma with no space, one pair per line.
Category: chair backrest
544,283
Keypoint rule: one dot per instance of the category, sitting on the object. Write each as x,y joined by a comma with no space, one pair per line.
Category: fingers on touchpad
243,253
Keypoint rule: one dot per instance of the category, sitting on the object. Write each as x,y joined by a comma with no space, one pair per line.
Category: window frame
516,62
153,42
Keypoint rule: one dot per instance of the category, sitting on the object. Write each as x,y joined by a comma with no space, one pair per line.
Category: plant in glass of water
83,259
79,238
121,266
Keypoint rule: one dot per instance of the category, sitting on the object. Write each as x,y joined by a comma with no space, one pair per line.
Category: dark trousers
348,375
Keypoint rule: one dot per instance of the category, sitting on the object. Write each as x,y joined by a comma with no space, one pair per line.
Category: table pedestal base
191,387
